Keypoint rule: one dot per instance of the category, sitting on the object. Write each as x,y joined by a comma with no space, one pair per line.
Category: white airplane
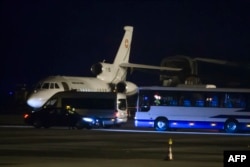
109,77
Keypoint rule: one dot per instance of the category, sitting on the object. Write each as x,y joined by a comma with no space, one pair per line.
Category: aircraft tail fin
113,73
123,53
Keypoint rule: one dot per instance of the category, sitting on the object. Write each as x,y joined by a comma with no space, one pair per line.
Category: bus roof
194,88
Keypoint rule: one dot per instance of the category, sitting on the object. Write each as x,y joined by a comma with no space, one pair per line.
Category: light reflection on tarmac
24,146
194,132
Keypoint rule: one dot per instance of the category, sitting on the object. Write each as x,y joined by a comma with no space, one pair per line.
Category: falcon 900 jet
109,77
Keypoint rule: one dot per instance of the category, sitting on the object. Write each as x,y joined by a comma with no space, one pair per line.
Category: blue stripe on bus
243,110
144,123
232,116
196,124
190,124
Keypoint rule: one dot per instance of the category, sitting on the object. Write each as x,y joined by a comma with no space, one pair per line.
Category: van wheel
37,124
107,126
161,124
231,126
118,125
89,127
79,125
46,126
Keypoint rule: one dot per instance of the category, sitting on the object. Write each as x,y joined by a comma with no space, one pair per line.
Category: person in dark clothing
71,117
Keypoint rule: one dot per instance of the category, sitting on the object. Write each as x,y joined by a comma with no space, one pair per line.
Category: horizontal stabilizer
142,66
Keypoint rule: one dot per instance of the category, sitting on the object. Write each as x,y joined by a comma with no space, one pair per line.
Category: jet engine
106,72
126,87
96,69
121,87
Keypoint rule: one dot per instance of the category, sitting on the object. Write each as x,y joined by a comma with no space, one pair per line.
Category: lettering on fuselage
78,83
92,90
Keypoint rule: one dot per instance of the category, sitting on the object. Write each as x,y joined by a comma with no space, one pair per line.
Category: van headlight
87,119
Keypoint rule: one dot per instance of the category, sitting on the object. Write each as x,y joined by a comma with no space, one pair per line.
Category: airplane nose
35,102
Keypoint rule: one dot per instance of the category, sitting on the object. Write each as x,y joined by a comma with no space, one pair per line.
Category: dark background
63,37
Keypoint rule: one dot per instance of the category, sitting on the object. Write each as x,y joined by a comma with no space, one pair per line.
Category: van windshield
50,103
89,103
122,105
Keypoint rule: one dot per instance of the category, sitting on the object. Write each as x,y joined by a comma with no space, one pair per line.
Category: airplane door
65,86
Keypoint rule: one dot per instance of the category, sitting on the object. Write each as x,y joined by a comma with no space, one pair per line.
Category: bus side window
198,100
242,103
144,103
199,103
227,101
186,103
169,100
173,103
234,101
239,101
212,101
145,108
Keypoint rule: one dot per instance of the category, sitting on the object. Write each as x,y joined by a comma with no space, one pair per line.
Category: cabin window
57,86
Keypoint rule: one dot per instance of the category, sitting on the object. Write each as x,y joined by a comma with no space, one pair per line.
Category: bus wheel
231,126
161,124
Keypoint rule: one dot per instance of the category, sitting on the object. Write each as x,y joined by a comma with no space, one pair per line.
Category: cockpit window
45,86
38,86
52,85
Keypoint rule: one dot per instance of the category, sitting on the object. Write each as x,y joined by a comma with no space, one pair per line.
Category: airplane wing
215,61
142,66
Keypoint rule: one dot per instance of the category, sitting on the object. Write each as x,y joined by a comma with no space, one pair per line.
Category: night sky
64,37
